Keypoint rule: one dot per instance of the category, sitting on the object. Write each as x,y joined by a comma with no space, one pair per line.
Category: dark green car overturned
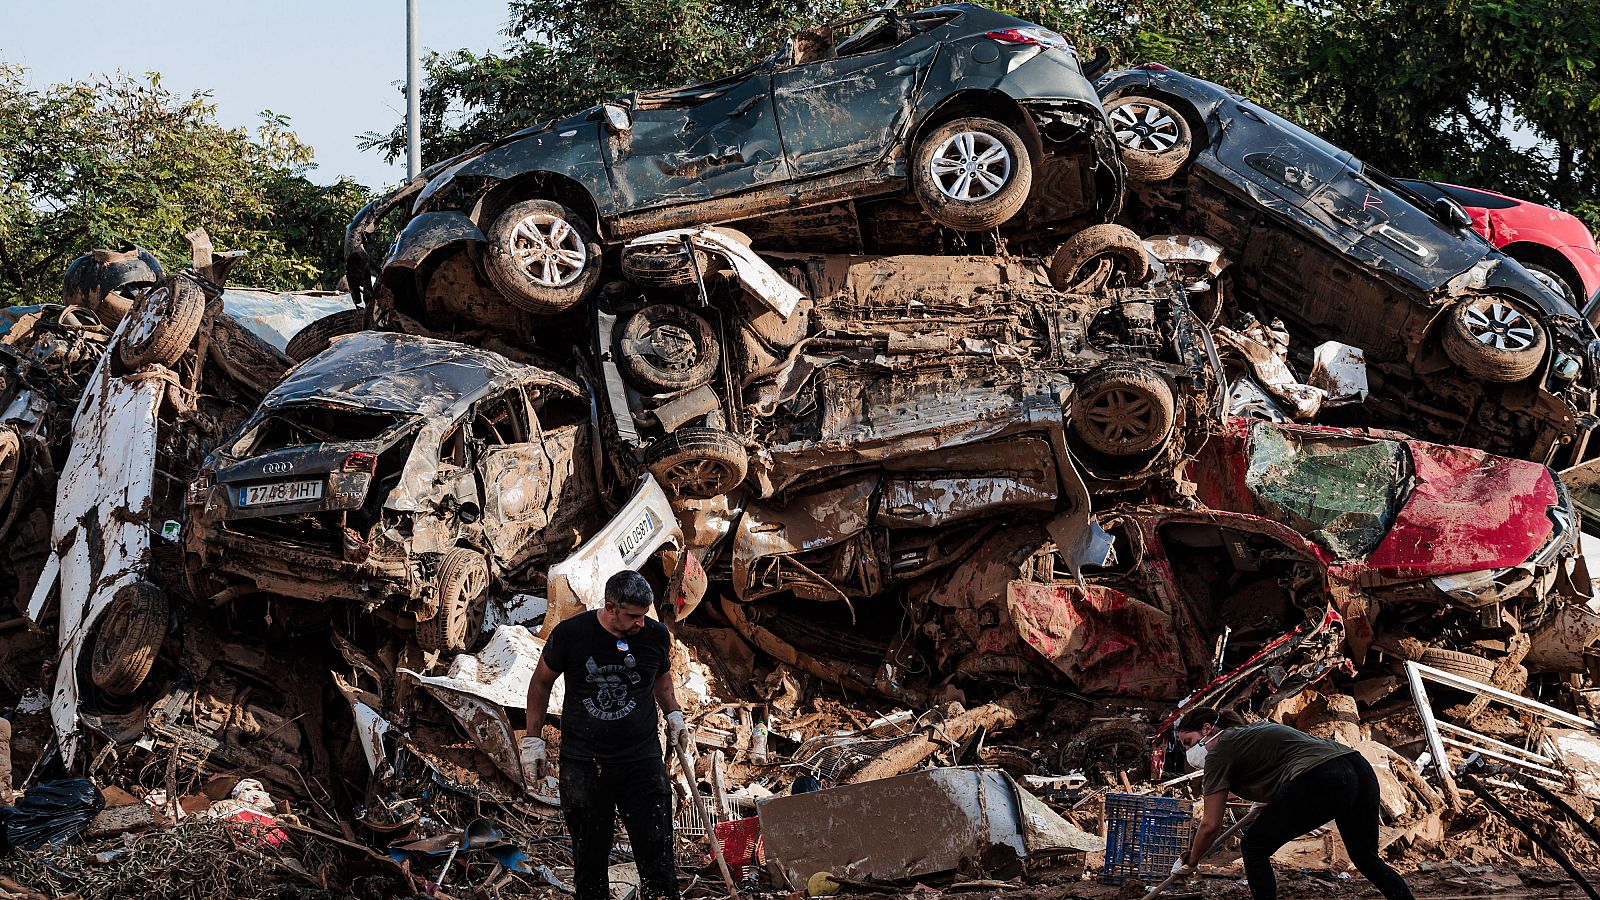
952,116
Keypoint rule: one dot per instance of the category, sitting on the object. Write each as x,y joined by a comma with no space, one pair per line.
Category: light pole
413,104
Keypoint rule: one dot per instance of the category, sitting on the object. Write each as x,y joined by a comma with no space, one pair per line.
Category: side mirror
617,118
1447,210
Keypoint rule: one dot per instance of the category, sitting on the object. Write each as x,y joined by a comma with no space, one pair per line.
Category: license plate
637,534
280,492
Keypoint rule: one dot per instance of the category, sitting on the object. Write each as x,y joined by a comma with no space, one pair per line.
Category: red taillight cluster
360,461
1038,37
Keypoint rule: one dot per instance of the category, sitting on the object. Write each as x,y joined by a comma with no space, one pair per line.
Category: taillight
1039,37
361,461
1153,67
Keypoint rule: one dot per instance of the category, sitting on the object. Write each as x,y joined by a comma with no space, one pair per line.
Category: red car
1547,241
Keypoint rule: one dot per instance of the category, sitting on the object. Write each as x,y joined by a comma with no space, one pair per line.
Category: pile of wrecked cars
860,357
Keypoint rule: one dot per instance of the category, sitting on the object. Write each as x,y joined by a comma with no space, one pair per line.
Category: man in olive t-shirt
1253,761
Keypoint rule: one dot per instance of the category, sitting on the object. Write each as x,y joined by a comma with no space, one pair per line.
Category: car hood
1467,511
396,373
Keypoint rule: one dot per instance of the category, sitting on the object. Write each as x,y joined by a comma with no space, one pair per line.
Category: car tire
1079,259
665,347
461,588
944,164
165,321
1155,138
546,237
315,337
128,638
698,463
663,265
1493,339
1465,665
1562,286
1123,410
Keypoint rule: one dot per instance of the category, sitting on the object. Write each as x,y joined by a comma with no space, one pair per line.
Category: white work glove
1179,867
678,730
533,761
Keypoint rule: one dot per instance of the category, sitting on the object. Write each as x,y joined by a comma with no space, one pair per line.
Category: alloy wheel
548,249
970,166
1140,126
1499,326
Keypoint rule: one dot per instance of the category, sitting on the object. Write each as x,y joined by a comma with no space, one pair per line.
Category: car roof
397,373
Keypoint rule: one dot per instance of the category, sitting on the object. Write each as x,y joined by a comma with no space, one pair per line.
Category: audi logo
277,468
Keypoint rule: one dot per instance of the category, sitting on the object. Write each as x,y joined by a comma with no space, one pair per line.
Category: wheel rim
970,166
1141,126
1122,416
147,315
698,477
548,250
1499,326
673,347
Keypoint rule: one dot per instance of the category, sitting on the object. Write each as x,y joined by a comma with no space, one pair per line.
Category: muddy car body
1468,346
396,468
815,128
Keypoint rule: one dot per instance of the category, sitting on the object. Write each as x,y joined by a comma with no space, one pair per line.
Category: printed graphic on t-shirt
612,685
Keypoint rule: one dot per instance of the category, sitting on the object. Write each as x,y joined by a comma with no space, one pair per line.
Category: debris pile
954,493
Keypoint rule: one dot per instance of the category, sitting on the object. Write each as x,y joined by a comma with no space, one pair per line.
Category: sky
336,68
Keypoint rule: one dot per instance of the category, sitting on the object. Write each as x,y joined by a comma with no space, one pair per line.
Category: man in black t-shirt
617,668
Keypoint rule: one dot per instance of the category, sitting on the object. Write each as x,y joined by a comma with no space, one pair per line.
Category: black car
970,112
1462,343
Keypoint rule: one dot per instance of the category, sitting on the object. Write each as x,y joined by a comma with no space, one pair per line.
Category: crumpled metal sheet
643,526
1343,494
499,673
1102,639
760,279
1468,510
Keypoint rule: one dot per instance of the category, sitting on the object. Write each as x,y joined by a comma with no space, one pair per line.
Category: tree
94,163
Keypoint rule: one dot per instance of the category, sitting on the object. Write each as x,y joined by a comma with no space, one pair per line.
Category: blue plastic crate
1144,836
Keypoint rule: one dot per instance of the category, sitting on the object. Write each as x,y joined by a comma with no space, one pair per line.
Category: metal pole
413,103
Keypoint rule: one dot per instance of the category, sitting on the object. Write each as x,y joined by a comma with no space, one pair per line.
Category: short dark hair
629,588
1196,719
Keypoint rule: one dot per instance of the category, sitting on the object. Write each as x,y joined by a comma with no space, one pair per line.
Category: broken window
501,420
1340,492
294,426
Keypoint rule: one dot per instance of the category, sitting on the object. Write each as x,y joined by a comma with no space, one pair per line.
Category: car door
696,143
513,473
850,110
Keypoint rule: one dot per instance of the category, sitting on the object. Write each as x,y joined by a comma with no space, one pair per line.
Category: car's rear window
1341,492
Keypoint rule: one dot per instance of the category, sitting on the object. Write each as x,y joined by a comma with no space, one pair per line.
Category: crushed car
978,118
409,476
1463,344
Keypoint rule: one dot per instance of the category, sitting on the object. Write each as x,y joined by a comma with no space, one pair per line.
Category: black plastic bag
53,812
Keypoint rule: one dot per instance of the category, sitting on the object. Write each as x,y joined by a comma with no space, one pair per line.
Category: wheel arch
1550,258
541,185
985,102
1186,106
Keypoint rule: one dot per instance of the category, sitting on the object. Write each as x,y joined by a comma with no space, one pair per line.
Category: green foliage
89,164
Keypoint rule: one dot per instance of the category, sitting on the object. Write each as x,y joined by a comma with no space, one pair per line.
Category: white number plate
637,534
280,492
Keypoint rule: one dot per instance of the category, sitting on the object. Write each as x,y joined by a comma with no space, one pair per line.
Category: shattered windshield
294,426
1342,493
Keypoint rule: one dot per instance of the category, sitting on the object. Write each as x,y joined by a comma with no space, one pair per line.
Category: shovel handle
711,828
1222,838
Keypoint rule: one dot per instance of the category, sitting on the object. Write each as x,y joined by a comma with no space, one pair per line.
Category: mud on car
401,473
859,132
1462,343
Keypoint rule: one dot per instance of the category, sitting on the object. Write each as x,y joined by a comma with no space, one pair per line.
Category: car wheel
1099,256
129,638
664,347
1465,665
663,265
461,589
1123,410
542,256
1555,281
315,337
971,174
1155,138
165,321
698,463
1493,339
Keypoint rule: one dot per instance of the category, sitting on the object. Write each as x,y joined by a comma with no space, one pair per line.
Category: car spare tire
315,337
1155,138
1493,339
128,638
1465,665
1082,257
165,320
698,463
543,257
663,265
1123,410
665,347
461,589
971,174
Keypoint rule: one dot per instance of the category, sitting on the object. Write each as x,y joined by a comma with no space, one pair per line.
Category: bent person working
1304,782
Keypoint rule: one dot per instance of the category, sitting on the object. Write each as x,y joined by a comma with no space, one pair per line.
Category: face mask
1196,755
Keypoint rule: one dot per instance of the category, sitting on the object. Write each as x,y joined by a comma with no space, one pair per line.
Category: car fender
643,526
570,150
429,233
